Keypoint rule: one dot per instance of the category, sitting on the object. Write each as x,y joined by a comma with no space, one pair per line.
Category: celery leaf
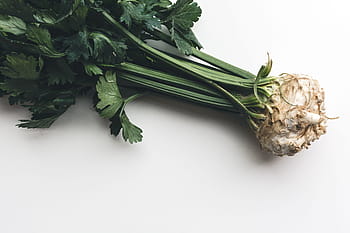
20,66
131,132
12,24
108,93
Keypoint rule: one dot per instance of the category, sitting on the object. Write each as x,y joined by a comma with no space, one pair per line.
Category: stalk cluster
54,51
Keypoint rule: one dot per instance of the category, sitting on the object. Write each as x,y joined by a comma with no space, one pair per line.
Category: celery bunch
54,51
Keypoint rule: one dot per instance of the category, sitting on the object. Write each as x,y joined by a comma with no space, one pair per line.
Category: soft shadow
235,124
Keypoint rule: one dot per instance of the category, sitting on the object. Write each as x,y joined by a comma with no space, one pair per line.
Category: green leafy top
139,12
51,52
110,103
183,14
108,93
12,24
181,18
20,66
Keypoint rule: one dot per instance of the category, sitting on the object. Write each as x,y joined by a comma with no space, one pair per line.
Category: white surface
197,170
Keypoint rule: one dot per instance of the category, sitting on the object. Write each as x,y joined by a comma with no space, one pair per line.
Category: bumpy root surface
297,117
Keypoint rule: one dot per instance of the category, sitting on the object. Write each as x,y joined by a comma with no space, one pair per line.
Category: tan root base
297,116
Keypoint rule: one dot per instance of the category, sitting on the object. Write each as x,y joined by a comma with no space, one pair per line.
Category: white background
197,170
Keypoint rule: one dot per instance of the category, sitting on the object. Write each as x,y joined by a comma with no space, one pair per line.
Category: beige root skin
296,118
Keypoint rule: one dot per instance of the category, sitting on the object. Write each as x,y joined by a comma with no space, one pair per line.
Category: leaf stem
162,82
168,89
206,57
221,64
179,64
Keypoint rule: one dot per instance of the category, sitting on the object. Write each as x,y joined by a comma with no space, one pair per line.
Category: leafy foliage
140,12
108,93
59,73
47,110
20,90
92,69
182,16
52,52
20,66
131,132
42,38
77,46
111,106
12,24
105,49
56,11
18,8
